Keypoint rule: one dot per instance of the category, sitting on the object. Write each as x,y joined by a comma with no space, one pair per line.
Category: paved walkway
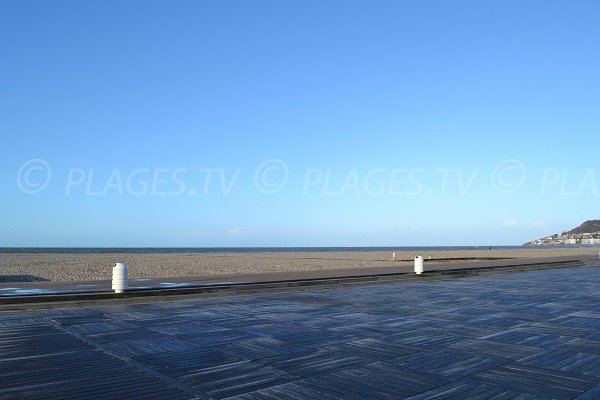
514,336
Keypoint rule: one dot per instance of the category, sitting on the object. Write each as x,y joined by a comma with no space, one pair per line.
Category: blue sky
308,123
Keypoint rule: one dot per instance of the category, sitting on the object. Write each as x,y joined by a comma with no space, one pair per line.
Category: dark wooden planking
318,362
528,338
592,394
227,380
467,390
542,382
517,336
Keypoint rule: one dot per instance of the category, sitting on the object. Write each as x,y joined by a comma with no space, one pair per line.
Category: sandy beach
94,266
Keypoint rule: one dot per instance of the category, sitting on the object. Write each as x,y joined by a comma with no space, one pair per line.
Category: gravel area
94,266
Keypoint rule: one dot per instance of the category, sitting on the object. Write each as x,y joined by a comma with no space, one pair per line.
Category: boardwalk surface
516,336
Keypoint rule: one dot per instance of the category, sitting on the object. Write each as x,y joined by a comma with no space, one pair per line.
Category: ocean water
89,250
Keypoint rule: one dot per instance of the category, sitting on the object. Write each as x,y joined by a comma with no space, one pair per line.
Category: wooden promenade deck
533,335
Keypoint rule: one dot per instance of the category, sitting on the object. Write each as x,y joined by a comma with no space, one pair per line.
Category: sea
200,250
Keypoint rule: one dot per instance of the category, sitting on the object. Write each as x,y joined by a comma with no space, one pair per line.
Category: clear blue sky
375,111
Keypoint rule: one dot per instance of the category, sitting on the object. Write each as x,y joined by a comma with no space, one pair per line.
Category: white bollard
119,277
393,256
419,263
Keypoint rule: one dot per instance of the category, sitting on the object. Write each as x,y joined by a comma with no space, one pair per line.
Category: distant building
590,241
571,241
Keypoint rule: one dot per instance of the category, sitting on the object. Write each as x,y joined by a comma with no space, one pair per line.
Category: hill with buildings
587,233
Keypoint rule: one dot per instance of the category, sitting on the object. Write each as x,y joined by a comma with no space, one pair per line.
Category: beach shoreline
28,267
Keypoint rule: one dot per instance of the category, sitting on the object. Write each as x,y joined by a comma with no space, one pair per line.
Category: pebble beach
98,266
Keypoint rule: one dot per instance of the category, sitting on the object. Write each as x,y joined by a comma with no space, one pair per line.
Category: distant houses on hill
568,239
586,234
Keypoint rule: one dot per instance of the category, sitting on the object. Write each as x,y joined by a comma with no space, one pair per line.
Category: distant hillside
587,233
591,226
